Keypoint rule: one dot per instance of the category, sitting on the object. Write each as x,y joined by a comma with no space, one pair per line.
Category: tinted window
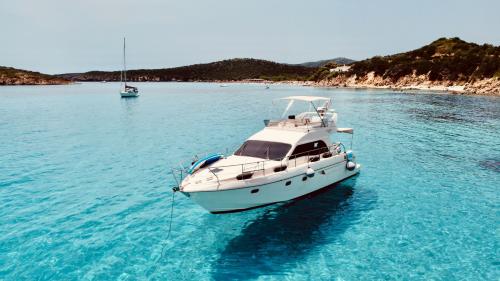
311,148
263,149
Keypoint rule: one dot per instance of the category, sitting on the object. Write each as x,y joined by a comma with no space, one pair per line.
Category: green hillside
233,69
320,63
449,59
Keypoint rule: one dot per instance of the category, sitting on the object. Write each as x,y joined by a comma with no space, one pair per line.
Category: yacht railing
297,123
307,119
265,167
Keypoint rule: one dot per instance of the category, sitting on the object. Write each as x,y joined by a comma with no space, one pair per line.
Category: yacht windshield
263,149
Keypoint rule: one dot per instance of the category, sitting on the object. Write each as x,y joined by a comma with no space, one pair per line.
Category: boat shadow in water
283,235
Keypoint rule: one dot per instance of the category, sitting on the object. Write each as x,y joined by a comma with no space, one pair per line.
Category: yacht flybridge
291,157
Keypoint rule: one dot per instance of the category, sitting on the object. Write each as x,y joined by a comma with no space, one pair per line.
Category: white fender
310,172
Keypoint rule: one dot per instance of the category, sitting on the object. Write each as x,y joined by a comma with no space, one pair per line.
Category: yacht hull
284,189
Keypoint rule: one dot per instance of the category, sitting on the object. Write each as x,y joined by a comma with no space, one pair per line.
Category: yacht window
263,149
311,148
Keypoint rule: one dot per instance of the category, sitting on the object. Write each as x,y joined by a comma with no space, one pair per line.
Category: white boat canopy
345,130
305,98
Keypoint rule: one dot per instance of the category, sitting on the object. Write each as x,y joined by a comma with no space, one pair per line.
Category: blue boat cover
204,162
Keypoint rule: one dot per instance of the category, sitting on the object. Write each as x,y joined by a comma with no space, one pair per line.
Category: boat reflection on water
286,233
130,108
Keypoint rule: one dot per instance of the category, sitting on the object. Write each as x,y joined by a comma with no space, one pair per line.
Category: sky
62,36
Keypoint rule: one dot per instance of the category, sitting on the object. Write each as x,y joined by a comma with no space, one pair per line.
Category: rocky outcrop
487,86
12,76
447,64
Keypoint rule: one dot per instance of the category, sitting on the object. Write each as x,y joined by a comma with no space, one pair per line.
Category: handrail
288,158
305,120
313,152
295,122
302,154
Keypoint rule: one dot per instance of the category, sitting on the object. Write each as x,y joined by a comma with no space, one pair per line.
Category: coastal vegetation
446,59
449,64
13,76
320,63
226,70
445,64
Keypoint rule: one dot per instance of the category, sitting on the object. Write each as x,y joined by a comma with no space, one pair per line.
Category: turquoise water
85,188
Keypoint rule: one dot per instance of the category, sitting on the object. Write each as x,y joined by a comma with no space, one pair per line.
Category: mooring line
169,230
170,223
171,214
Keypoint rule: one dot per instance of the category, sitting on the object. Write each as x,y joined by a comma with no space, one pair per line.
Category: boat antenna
315,109
352,137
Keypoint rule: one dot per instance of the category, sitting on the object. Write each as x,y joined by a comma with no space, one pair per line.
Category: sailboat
126,90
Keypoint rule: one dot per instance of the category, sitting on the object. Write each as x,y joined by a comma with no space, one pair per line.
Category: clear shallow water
85,188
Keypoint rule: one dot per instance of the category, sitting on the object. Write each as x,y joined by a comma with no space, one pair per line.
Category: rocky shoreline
488,86
12,77
33,82
484,87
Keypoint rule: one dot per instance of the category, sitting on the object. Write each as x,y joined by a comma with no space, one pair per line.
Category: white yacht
127,91
291,157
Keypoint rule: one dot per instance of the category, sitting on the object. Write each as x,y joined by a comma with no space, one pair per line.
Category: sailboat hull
125,94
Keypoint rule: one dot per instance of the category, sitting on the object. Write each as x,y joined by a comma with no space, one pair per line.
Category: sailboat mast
124,63
121,77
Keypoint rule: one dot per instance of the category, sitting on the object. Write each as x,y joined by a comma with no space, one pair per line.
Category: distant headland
448,64
13,76
225,70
